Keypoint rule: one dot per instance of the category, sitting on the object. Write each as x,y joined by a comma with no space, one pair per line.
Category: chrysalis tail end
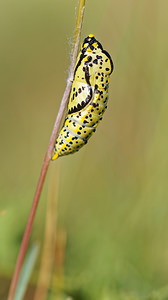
55,156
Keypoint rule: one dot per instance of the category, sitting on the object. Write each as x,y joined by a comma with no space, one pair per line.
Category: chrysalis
88,97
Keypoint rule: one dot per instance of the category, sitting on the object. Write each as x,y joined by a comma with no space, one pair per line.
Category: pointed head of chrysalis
91,45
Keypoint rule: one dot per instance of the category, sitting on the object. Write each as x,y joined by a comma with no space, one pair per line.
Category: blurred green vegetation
113,193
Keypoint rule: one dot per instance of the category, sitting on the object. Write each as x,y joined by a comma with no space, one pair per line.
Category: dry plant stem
60,260
50,236
64,101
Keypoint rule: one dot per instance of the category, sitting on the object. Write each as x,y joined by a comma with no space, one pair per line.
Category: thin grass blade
26,272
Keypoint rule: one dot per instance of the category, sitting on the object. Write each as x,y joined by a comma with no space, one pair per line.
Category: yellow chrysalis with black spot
88,97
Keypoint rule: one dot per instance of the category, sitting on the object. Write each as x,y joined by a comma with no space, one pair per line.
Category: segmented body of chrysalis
88,97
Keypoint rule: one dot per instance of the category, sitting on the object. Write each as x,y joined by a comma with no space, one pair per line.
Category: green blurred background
113,196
